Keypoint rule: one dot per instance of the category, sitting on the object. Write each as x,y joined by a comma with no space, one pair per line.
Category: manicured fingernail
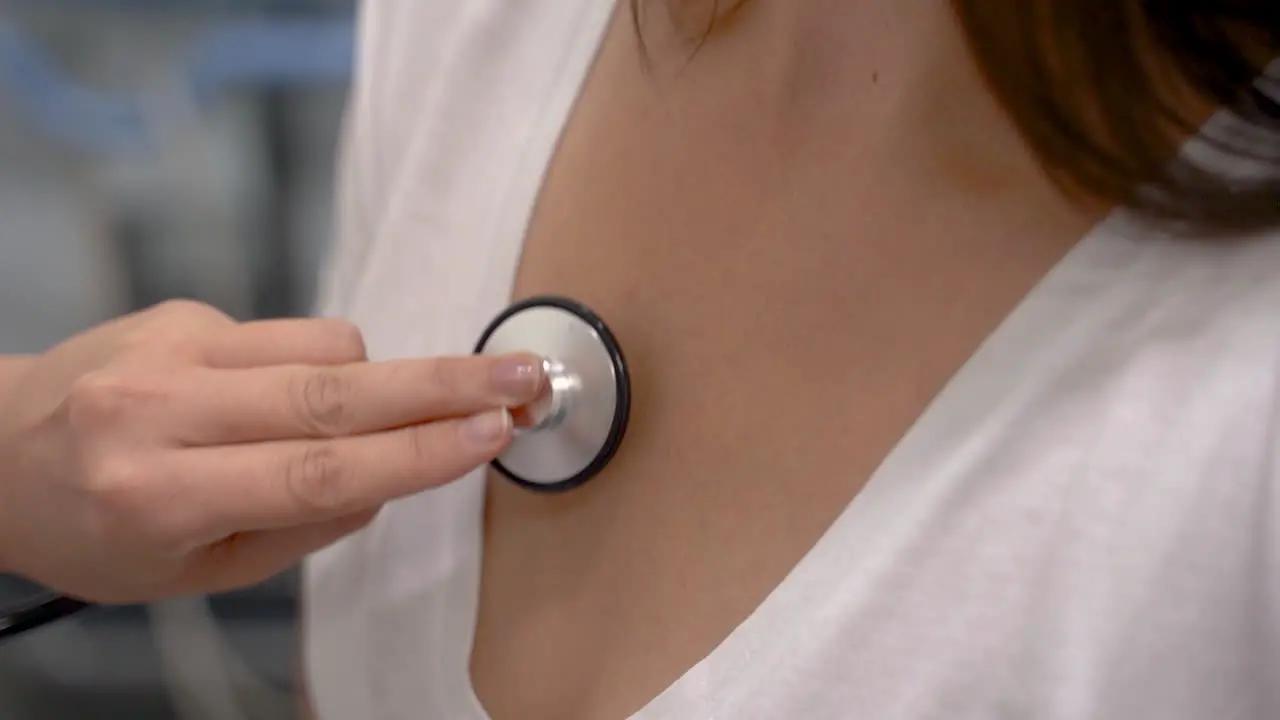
518,378
487,428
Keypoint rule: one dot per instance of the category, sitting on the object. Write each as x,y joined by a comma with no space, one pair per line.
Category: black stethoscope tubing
25,617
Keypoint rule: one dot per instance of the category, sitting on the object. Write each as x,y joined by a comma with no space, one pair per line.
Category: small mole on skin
875,77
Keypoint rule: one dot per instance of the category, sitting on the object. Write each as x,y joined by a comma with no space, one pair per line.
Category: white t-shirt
1084,524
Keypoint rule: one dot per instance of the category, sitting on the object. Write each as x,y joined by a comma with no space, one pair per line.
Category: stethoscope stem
570,433
551,409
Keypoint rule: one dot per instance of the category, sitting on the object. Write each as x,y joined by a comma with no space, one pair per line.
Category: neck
888,80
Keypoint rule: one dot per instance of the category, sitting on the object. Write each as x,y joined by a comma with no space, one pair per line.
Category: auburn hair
1104,92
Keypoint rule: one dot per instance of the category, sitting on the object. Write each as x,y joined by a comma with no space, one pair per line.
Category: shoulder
1169,348
443,99
1218,320
416,57
1207,283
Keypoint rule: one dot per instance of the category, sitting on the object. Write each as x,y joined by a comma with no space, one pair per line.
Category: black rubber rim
18,619
622,380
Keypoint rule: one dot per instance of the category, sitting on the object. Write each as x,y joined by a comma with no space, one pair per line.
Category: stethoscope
562,440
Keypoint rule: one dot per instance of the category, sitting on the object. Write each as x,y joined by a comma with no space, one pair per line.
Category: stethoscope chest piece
573,430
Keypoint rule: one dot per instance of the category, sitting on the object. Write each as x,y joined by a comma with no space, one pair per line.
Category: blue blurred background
153,149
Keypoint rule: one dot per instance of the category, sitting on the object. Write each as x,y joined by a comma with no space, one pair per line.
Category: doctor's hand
176,451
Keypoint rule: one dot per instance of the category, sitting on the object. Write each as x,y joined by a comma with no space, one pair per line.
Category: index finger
297,402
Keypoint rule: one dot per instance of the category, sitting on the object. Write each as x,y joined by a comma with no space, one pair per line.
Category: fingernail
487,428
518,378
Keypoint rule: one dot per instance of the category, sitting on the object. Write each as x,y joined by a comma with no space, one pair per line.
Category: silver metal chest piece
572,431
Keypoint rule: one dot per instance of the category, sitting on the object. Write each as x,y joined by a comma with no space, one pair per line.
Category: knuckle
346,339
117,489
112,476
180,311
323,399
176,328
181,343
158,343
104,400
316,480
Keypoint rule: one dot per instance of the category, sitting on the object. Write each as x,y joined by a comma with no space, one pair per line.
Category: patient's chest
789,298
1083,527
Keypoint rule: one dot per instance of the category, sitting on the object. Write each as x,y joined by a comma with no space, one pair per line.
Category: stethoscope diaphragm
573,430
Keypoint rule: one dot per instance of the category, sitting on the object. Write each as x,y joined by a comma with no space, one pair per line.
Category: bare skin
798,237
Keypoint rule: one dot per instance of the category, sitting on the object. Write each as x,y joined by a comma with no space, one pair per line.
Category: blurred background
152,149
